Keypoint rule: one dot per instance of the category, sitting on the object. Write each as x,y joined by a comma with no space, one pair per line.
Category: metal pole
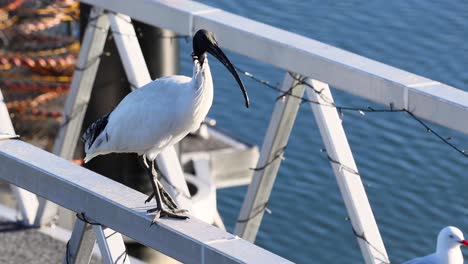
276,139
81,244
346,173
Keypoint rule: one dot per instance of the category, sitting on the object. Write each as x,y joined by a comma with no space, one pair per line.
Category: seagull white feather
448,250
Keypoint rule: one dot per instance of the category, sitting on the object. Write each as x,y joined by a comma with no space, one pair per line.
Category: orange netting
38,52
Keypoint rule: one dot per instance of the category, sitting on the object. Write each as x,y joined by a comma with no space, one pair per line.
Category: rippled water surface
416,184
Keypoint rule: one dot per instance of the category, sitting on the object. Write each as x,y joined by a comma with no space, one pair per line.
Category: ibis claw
149,198
161,213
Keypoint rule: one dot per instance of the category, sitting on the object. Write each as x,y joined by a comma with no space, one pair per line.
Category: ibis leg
160,211
166,198
150,174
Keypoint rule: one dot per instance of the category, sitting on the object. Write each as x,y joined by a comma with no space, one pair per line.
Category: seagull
158,115
448,248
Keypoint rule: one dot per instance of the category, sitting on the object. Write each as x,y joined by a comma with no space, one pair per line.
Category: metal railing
121,208
341,69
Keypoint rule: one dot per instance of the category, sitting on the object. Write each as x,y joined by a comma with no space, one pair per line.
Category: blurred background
415,183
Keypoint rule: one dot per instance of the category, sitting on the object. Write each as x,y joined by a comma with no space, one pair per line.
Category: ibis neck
202,75
203,85
200,57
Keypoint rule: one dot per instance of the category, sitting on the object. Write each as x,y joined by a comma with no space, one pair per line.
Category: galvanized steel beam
81,244
274,144
344,70
111,245
121,208
347,174
82,83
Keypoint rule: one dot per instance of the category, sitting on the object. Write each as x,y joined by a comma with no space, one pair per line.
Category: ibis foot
159,193
177,211
161,213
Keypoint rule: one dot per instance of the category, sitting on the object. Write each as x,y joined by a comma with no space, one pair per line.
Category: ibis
448,250
158,115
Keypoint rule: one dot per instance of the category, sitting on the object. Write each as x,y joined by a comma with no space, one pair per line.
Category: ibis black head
205,41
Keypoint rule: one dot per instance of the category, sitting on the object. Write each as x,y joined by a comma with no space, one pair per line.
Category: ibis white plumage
160,114
448,250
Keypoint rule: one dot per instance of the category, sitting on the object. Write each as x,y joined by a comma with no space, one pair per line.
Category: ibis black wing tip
94,130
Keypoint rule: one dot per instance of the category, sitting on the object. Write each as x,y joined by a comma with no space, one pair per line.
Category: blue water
416,184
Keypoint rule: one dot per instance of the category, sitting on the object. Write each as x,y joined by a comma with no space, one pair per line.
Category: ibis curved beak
216,51
463,242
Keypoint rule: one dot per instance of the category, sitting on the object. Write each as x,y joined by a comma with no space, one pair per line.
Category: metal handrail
425,98
120,208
